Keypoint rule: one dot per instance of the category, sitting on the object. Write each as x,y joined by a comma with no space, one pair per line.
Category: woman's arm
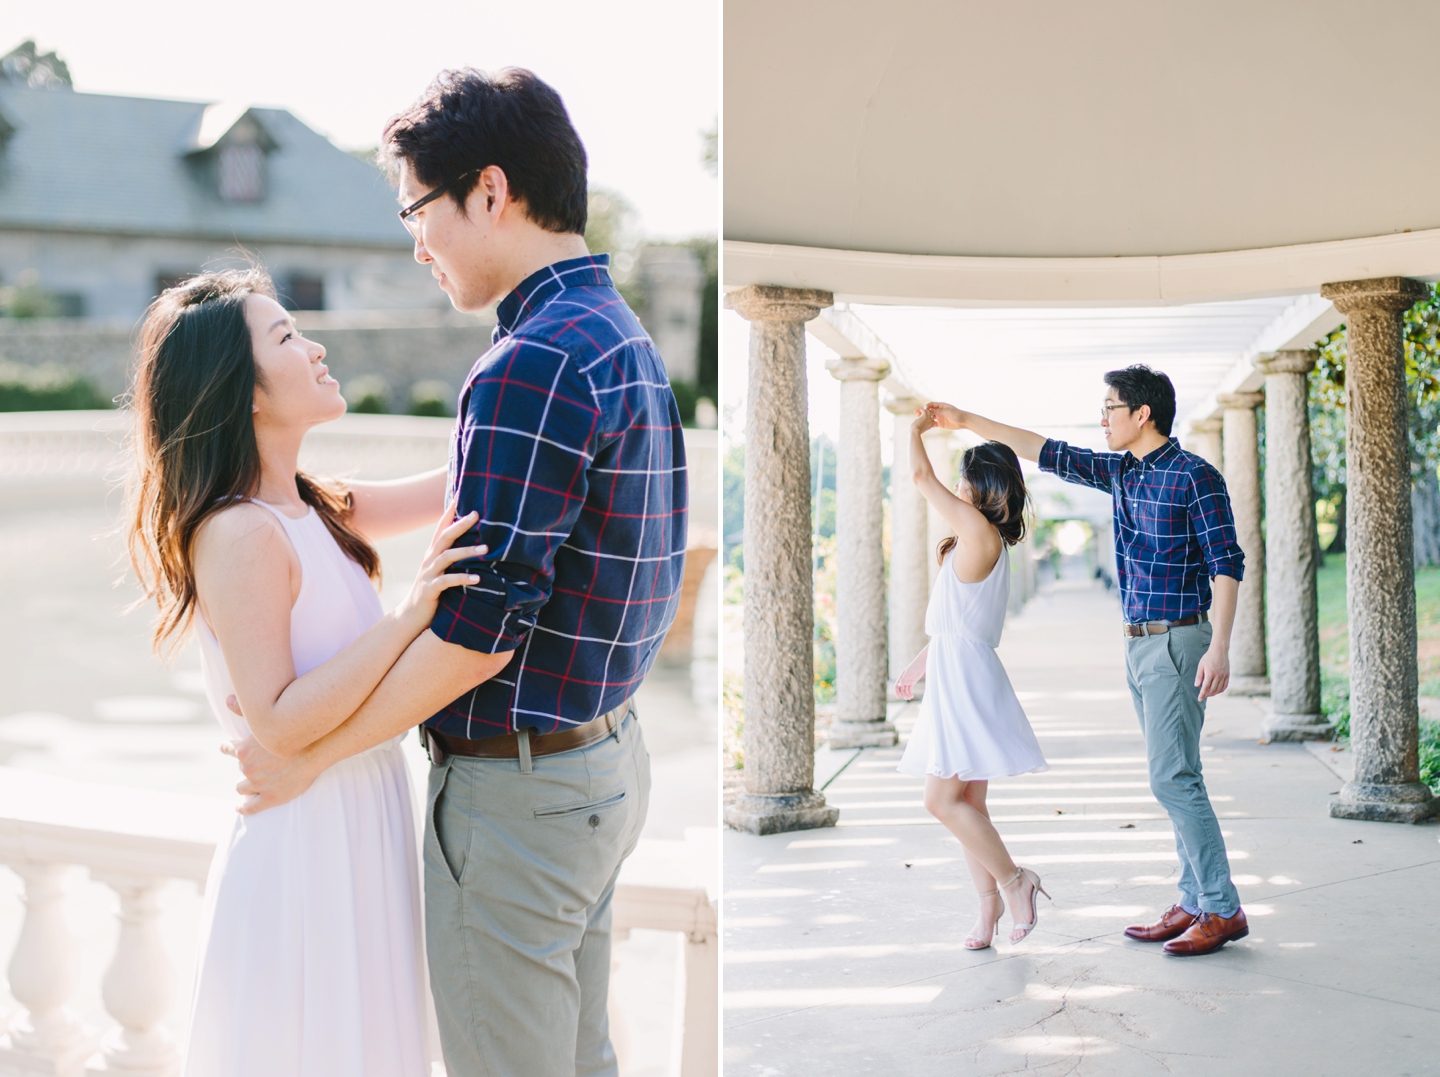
905,683
247,576
976,535
396,506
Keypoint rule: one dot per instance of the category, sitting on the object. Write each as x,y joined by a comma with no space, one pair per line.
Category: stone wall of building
115,277
400,348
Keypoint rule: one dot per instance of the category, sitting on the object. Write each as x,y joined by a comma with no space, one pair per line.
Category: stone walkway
843,947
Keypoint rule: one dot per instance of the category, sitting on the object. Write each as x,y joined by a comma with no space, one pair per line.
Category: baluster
42,974
138,986
697,1041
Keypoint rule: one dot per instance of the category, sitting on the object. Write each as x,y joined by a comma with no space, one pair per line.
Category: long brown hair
194,440
997,489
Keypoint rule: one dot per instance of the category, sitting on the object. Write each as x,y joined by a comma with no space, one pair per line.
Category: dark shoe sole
1164,938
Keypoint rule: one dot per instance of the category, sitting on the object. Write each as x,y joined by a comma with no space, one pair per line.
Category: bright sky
639,77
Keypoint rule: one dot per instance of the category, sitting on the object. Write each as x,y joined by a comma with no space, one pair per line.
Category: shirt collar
1155,457
535,290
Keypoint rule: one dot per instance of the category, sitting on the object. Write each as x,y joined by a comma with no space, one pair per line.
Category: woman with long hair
971,727
312,959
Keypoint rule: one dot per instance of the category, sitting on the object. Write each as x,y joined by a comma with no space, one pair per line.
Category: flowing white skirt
312,959
971,726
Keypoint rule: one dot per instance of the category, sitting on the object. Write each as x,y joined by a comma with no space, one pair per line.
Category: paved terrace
843,951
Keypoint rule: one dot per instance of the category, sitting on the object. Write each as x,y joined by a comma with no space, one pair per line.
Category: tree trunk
1425,508
1337,544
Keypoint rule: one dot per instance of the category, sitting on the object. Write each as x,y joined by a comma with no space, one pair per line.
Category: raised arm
976,536
1026,443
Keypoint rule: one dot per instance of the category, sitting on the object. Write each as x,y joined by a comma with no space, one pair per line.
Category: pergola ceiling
1062,130
1043,368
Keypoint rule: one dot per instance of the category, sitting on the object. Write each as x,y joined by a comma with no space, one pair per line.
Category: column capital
771,303
857,368
1379,293
1290,361
902,405
1208,426
1240,401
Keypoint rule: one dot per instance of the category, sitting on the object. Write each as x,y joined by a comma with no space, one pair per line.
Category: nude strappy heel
974,942
1035,890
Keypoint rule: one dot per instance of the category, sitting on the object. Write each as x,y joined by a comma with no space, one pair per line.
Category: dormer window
231,146
240,170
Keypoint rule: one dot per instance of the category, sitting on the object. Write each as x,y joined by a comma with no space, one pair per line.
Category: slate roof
123,165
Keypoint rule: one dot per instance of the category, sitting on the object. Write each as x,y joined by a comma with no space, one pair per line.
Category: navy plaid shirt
568,443
1173,525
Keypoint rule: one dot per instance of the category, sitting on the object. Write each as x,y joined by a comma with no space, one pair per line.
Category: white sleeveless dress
312,955
971,726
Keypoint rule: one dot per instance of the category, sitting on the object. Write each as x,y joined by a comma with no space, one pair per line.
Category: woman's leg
965,815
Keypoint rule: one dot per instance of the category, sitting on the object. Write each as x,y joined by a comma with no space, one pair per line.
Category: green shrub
47,388
1430,753
430,398
685,397
368,394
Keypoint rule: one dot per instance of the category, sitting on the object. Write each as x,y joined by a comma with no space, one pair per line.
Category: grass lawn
1335,654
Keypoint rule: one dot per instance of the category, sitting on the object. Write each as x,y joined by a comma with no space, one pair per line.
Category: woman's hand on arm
243,570
393,507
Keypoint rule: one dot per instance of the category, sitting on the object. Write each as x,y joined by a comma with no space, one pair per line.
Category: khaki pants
1161,671
520,871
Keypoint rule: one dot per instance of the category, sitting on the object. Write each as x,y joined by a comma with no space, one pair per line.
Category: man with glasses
1179,568
568,444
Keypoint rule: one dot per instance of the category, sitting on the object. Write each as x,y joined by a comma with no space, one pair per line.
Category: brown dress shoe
1208,934
1170,926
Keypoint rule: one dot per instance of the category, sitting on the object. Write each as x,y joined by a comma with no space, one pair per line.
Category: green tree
1422,384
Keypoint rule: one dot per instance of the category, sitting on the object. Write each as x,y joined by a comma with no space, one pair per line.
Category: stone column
1290,553
1204,440
779,586
909,529
1242,479
1379,564
861,652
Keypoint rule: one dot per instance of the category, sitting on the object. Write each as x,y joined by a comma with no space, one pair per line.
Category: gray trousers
1161,673
520,871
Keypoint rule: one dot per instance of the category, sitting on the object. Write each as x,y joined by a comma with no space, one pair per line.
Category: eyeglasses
407,215
1106,409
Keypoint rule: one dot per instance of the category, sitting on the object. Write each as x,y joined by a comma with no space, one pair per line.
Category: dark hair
1139,385
194,438
468,120
997,488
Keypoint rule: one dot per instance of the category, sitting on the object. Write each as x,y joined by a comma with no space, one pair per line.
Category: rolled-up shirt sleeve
529,424
1214,524
1082,466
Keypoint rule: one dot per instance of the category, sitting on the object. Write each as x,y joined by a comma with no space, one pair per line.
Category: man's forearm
1225,590
428,676
1026,443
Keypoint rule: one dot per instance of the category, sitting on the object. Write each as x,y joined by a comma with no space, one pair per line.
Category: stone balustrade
135,842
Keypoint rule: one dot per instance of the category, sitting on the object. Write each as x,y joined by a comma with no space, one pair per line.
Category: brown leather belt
507,745
1155,628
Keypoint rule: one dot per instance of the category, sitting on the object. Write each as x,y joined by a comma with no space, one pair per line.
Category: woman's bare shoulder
238,527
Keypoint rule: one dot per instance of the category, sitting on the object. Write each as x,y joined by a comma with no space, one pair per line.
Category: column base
877,733
776,814
1401,803
1295,727
1249,686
